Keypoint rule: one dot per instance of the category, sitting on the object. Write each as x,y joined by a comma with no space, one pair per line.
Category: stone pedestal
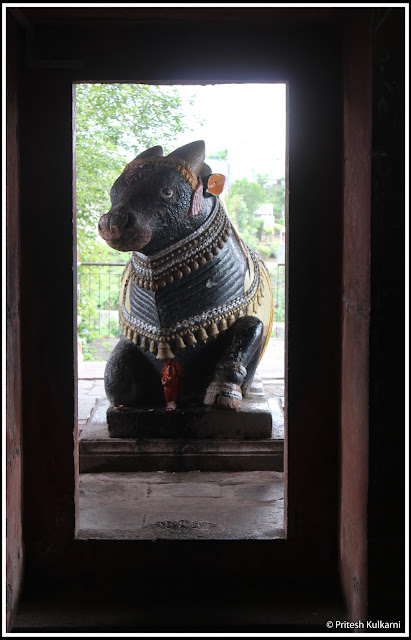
210,440
252,421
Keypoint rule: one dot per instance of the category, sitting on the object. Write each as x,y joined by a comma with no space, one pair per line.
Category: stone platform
212,440
251,421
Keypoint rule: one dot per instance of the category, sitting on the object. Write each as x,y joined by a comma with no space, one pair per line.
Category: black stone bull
195,302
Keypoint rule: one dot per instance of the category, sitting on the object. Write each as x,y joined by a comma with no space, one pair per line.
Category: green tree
251,192
242,201
115,122
219,155
274,193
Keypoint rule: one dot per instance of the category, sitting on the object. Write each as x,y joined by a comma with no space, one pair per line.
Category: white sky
247,119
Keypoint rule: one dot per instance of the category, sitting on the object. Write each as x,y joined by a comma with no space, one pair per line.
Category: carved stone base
252,420
191,450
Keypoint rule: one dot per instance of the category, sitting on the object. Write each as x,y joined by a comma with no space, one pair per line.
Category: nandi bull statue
195,302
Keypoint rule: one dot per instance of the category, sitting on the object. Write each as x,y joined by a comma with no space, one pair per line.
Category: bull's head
158,199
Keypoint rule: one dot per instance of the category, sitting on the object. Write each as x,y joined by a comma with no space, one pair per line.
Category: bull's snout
118,230
112,224
118,220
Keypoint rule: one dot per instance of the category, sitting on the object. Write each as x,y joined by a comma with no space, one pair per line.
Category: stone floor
184,505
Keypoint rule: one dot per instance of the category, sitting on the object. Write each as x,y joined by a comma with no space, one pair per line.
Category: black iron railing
278,284
98,291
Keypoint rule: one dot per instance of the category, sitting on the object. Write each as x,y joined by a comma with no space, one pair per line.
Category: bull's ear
192,153
206,170
153,151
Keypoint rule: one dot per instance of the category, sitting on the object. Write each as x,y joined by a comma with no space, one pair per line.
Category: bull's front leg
130,377
237,365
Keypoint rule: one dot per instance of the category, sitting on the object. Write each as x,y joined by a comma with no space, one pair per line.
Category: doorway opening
136,489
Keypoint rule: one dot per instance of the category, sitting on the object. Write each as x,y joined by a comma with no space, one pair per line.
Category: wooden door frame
306,53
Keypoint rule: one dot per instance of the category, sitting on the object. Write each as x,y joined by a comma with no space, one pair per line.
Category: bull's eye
168,192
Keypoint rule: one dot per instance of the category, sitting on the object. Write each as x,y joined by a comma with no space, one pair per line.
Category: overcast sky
247,119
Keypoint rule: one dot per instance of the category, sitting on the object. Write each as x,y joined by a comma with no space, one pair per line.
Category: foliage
264,250
274,249
242,201
97,306
277,278
113,124
99,289
88,317
88,351
218,155
274,192
101,252
252,195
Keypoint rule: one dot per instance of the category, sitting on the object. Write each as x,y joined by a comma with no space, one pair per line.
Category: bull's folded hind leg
131,378
236,367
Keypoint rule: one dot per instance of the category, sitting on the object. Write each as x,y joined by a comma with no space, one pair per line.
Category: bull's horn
192,153
153,151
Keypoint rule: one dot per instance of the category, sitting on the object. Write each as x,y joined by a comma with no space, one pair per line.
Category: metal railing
278,284
98,289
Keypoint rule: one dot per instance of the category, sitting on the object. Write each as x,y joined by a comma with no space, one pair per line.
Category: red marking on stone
172,379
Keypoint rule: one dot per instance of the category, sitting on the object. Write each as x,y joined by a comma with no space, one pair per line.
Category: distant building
265,212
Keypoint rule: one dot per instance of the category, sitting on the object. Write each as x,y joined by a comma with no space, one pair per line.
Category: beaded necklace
156,271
